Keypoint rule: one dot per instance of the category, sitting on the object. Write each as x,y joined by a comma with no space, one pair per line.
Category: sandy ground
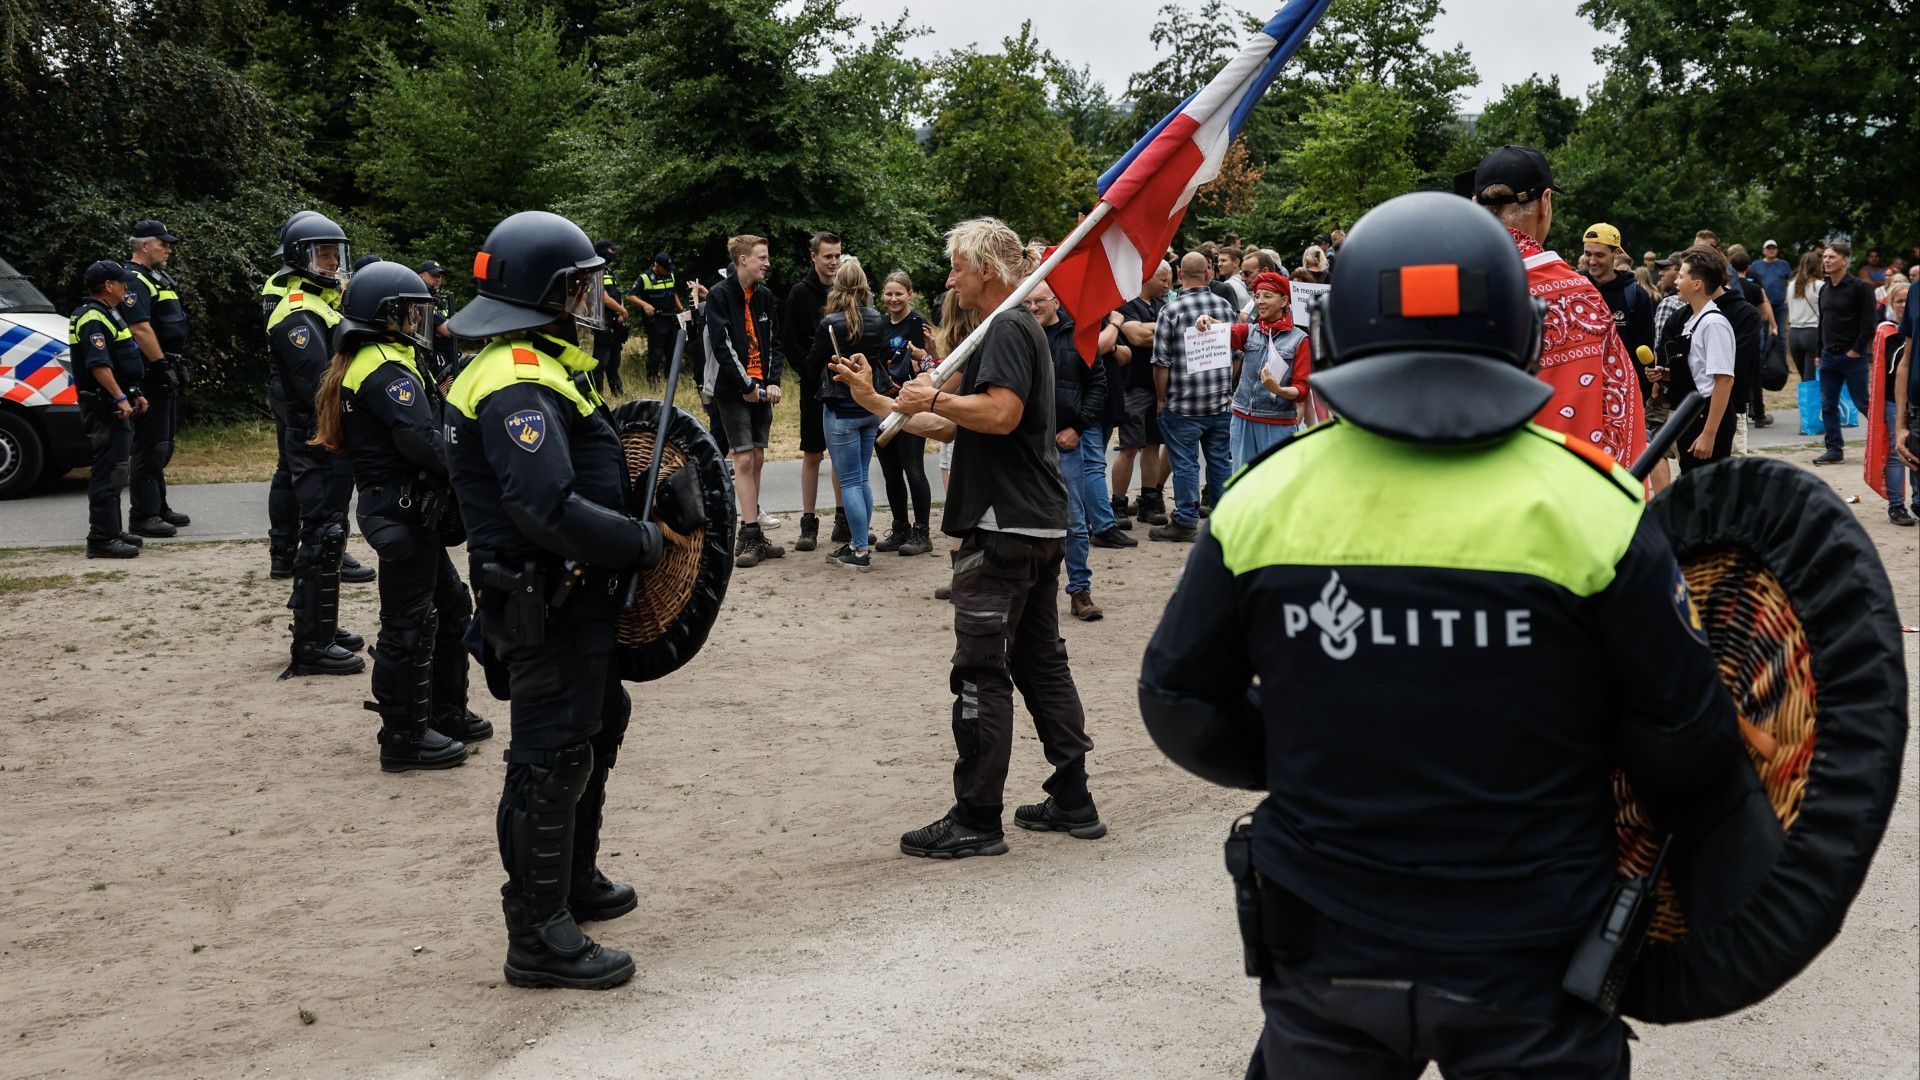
207,876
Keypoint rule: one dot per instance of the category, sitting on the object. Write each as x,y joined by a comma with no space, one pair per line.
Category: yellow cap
1603,233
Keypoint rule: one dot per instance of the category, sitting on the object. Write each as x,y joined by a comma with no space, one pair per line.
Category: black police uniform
299,334
392,425
153,298
97,337
283,510
608,343
663,326
1453,651
542,484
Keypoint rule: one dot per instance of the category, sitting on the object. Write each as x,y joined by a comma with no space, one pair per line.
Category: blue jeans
1188,439
1251,439
1093,458
1837,369
850,442
1079,570
1896,469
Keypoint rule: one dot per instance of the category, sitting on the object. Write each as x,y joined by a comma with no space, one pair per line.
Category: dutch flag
1150,186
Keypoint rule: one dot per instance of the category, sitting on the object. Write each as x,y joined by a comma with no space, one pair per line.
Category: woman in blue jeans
851,326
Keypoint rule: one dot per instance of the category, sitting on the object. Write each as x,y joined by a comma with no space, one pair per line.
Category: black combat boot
403,693
316,608
809,533
1153,507
1122,513
593,897
842,532
899,535
919,543
545,946
114,548
279,563
348,640
353,572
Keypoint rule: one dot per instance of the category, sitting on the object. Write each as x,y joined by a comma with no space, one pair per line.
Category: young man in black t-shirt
1007,504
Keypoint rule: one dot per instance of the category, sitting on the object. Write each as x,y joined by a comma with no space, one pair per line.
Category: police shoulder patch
528,429
97,339
299,335
1683,607
403,390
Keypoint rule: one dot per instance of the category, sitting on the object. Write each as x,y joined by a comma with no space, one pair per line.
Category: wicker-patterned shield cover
679,599
1801,619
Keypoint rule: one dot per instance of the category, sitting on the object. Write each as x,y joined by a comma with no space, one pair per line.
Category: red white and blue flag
1150,186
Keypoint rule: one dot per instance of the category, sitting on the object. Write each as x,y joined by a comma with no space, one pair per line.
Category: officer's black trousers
153,433
316,479
283,510
1006,622
606,349
417,577
660,335
112,440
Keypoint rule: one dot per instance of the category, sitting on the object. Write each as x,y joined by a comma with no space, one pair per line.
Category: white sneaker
768,521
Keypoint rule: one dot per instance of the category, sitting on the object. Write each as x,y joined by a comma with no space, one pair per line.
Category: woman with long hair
903,460
851,326
376,407
1803,315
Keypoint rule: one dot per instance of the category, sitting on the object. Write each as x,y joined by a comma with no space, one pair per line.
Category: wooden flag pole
951,365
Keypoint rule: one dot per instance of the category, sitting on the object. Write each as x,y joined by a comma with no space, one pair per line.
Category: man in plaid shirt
1194,403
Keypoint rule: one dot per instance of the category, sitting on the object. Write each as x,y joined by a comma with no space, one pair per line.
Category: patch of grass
98,886
18,584
223,453
107,575
307,1016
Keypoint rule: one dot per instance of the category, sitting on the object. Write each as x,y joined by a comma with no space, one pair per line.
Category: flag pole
951,365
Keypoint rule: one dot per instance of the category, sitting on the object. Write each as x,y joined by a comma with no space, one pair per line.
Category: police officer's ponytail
330,428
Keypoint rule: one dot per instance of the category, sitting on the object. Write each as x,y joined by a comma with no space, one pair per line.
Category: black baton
659,451
1683,415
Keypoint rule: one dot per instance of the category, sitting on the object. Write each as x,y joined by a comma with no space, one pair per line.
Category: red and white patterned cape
1596,396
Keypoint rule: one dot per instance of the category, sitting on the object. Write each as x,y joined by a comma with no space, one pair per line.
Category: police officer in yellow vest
656,293
159,323
299,333
1430,630
283,511
107,370
608,344
379,408
542,483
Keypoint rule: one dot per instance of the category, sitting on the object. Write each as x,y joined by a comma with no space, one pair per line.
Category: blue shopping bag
1810,409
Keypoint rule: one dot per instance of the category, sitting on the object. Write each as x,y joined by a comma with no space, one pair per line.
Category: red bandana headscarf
1276,283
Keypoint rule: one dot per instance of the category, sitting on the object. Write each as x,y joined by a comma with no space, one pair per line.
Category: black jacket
800,321
1847,319
726,313
1079,388
872,344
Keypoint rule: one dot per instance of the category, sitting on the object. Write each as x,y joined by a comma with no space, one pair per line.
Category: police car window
18,294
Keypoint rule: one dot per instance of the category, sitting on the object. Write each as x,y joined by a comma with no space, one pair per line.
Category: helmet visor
329,260
412,319
584,298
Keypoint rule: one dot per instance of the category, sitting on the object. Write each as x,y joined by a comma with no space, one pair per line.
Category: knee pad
410,635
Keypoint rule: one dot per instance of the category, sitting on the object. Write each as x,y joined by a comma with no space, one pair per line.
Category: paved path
56,517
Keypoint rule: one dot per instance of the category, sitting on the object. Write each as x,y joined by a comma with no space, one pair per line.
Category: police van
41,433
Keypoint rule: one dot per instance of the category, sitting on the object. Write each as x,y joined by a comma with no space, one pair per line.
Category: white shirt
1803,312
1710,351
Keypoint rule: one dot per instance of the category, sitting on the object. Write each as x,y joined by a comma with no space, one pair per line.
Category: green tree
1193,47
474,133
998,148
1356,151
744,116
1096,122
1533,112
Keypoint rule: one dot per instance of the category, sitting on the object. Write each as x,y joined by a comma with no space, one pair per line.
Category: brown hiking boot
1083,606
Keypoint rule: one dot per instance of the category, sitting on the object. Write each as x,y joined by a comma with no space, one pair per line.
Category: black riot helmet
298,215
534,268
1429,332
385,301
316,248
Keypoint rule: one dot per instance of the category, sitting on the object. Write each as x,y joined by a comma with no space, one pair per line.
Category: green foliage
999,148
1099,125
1533,112
1356,151
447,163
1193,46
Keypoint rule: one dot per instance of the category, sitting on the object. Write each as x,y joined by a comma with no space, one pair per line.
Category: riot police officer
610,342
541,479
442,357
159,323
298,331
107,370
379,408
1460,622
656,292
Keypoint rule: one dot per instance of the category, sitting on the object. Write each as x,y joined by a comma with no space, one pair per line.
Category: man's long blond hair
989,246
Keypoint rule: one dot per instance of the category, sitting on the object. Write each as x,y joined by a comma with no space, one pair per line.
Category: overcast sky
1111,35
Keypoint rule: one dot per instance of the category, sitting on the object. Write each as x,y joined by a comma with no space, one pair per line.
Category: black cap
104,271
429,267
606,248
151,228
663,259
1521,168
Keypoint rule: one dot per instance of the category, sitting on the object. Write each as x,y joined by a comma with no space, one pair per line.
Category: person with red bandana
1596,396
1273,360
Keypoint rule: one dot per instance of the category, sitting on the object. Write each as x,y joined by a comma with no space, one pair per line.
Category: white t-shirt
1803,312
1710,351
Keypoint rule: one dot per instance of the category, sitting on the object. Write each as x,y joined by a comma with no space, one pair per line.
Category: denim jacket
1252,399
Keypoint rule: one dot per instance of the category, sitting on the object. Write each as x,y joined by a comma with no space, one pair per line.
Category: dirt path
195,853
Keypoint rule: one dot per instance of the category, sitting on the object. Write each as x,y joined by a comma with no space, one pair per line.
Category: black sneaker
175,518
1113,538
111,549
152,526
1831,457
1048,816
1763,420
948,839
280,563
129,538
1174,532
847,559
1899,516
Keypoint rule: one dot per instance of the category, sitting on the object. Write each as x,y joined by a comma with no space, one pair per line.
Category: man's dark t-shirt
1009,482
1140,368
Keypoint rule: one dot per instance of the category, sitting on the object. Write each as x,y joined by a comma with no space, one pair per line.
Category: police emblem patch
1684,608
97,339
299,335
403,390
528,429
